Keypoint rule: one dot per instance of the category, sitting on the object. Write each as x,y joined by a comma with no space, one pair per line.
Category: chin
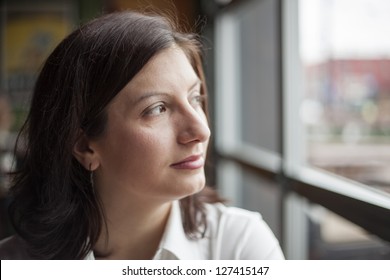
194,187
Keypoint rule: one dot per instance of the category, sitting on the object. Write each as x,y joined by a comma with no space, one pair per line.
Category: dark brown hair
54,208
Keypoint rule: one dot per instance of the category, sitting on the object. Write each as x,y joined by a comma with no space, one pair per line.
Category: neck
134,230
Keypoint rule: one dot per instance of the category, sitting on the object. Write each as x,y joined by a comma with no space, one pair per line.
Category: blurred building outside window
345,51
345,54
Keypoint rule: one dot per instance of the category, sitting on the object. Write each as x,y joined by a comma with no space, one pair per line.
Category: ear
84,154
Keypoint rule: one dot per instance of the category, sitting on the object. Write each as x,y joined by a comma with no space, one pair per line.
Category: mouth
191,162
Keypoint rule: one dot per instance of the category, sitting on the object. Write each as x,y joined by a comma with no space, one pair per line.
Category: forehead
169,69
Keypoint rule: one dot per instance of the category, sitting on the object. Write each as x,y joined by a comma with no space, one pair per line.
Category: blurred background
299,101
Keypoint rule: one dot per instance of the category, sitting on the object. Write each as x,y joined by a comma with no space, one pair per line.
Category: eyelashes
196,100
155,110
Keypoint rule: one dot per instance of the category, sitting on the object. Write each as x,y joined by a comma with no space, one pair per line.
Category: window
345,53
302,128
344,57
248,114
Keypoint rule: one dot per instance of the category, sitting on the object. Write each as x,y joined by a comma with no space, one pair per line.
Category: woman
116,143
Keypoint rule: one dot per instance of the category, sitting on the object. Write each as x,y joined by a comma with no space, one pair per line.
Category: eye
197,100
155,110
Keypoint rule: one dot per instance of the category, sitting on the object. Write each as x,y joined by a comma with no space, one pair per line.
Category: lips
191,162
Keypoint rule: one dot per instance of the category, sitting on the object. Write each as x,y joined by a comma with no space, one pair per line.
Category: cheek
139,150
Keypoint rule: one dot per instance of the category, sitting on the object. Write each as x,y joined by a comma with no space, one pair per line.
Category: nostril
195,130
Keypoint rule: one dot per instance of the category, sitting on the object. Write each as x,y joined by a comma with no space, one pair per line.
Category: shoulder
241,234
220,210
13,248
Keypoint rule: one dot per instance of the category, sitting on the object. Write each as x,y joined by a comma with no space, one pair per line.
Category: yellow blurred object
29,39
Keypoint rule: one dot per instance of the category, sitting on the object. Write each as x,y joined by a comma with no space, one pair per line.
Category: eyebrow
147,95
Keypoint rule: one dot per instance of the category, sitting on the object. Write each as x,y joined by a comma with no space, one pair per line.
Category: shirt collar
174,244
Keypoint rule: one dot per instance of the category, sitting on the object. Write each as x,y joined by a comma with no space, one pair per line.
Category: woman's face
156,138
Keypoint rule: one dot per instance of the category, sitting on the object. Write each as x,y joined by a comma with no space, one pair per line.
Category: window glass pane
251,190
258,71
345,51
262,195
332,237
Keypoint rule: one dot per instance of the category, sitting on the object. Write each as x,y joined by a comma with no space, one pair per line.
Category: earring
91,178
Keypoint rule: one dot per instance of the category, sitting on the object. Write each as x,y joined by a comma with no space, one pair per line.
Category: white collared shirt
232,234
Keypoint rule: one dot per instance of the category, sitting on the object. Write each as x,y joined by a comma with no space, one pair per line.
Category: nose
193,126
